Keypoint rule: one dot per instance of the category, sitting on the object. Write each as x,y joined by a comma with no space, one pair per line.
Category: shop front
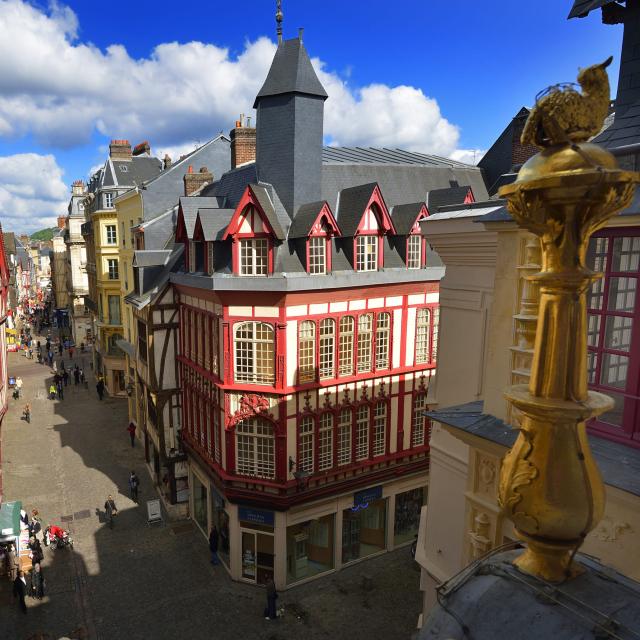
257,531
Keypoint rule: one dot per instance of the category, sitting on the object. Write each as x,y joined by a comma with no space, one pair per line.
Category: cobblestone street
140,582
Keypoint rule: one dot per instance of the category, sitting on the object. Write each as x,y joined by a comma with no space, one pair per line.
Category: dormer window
108,200
254,257
210,259
367,253
414,251
318,255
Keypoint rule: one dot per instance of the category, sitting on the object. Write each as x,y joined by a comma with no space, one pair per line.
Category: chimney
120,150
61,222
166,163
193,182
77,188
243,143
142,149
520,153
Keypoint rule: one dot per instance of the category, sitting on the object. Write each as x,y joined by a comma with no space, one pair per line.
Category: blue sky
441,77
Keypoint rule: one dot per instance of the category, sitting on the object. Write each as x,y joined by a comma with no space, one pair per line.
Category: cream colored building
488,315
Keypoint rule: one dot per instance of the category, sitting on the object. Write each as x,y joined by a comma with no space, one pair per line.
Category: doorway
257,556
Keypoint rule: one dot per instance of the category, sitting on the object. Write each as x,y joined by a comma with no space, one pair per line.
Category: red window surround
325,226
432,328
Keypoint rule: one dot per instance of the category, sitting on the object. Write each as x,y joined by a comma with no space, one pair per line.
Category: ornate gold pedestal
550,486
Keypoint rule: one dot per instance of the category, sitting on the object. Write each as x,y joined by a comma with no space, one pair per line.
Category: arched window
345,352
365,326
325,442
305,444
307,352
345,421
420,424
327,348
434,336
362,432
423,325
379,428
383,324
255,448
254,353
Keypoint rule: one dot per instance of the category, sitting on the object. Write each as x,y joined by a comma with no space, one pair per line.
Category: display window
220,518
407,515
310,548
364,530
257,545
200,504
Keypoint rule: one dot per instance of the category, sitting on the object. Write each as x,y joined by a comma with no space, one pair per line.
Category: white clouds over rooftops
60,90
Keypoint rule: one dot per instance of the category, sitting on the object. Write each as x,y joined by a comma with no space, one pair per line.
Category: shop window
310,548
407,515
305,444
383,325
325,442
220,518
345,422
254,353
379,428
307,352
423,326
345,350
365,326
327,348
364,530
362,432
200,504
255,448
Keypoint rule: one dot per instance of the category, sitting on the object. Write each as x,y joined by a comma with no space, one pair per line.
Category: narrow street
156,582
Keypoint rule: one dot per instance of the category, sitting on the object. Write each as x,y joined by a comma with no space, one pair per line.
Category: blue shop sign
364,497
256,516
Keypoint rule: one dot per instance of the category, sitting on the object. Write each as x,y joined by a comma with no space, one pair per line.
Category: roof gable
310,216
353,204
407,217
437,198
249,198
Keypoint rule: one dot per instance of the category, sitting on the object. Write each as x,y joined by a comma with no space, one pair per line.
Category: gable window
254,353
210,259
365,325
362,432
318,255
305,444
327,348
379,428
344,436
420,424
254,257
345,348
255,448
414,252
111,234
423,326
307,352
367,253
325,442
383,324
108,200
112,268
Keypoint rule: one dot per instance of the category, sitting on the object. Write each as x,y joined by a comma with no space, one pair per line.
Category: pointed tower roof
291,72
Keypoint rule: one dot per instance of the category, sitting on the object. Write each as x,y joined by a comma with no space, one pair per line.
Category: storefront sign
361,499
256,516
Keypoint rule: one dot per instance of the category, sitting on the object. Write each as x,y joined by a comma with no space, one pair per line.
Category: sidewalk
156,582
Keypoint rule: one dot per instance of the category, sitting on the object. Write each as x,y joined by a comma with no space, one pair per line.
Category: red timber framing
326,227
416,234
375,221
207,390
249,222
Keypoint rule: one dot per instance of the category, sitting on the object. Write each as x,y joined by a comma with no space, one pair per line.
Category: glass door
249,555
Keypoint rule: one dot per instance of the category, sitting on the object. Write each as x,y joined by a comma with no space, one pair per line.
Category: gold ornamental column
550,486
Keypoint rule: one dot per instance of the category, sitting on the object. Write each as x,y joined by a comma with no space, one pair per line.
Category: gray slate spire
289,127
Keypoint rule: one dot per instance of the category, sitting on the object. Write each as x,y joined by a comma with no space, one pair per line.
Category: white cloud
60,90
32,192
470,156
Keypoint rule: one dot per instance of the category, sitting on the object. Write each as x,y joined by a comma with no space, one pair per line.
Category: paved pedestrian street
156,582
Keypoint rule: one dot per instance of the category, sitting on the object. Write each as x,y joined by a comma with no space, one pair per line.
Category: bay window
307,352
255,447
254,257
254,353
367,253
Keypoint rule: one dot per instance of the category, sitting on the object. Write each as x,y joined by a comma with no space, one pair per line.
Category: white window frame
108,200
255,449
306,352
325,441
253,256
318,255
418,419
345,346
423,329
327,348
345,426
434,334
111,262
254,353
379,428
365,344
363,423
306,444
414,251
383,332
111,238
367,252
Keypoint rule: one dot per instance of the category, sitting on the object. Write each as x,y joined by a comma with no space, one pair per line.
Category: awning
10,520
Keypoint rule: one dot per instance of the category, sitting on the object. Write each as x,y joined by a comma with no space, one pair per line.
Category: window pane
255,448
327,347
614,370
423,321
382,340
593,330
622,294
597,260
435,333
362,432
367,253
344,437
325,444
418,420
626,254
365,323
379,428
307,352
318,255
305,447
254,257
345,356
414,250
592,363
618,333
254,353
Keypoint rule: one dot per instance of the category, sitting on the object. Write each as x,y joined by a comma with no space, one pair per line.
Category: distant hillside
44,234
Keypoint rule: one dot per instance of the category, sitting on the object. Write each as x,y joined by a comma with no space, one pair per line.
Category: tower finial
279,20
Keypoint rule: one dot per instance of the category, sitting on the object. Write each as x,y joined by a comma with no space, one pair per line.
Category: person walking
65,377
19,386
37,582
52,392
100,388
35,526
12,562
27,412
60,388
50,357
110,510
270,612
132,433
134,483
36,554
20,590
213,544
76,375
71,352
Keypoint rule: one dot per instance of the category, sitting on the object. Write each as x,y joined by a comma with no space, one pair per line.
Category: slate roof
291,72
404,216
190,206
437,198
152,269
351,206
581,8
214,222
273,209
230,187
304,219
625,129
158,232
370,155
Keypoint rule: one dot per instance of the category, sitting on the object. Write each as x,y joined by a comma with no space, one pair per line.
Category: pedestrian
134,483
52,392
62,365
27,412
36,554
36,524
60,349
65,377
19,385
37,582
12,562
110,510
272,595
71,352
213,544
132,433
50,357
76,375
20,590
100,388
60,389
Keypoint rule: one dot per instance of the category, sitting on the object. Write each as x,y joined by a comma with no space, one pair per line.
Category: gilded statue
562,114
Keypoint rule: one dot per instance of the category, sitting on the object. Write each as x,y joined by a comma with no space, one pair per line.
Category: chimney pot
243,143
193,182
120,150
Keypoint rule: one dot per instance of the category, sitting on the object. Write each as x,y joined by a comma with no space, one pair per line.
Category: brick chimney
61,222
519,153
243,143
77,188
120,150
193,182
